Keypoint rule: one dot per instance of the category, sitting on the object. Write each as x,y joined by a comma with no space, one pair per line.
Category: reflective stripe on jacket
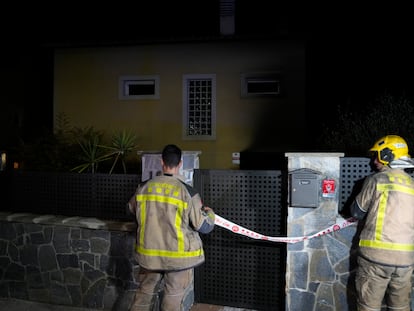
169,215
388,234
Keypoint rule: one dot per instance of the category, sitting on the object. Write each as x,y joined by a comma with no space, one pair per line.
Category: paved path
24,305
204,307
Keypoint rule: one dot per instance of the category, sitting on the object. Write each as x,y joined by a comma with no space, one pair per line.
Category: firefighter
170,215
386,243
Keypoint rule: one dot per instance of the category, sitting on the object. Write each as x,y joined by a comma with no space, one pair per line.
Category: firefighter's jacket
169,218
387,237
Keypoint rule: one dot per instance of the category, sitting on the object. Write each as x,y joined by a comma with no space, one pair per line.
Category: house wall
86,91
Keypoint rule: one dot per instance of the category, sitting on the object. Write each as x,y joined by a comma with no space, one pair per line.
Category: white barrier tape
226,224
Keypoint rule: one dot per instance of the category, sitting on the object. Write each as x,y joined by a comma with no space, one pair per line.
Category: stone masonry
80,262
319,271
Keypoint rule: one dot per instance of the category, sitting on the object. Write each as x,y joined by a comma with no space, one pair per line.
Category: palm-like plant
123,143
89,141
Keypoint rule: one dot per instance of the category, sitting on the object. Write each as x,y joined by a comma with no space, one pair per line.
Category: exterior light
3,159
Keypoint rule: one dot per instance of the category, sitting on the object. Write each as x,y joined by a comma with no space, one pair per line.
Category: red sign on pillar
328,188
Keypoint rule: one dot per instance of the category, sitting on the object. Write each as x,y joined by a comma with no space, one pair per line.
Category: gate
242,272
239,271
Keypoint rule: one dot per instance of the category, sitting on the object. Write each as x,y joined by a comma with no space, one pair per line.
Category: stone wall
319,271
81,262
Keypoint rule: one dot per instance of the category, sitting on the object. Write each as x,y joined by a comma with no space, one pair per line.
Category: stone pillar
317,269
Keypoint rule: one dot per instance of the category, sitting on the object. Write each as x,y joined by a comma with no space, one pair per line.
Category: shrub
82,150
356,130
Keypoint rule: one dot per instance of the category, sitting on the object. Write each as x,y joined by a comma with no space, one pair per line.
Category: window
260,84
139,87
199,107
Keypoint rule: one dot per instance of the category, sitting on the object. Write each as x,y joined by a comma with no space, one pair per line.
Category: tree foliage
354,131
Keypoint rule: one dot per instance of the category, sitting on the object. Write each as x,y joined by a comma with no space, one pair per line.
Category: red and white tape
235,228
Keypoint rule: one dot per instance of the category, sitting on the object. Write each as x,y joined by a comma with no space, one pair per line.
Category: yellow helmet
389,148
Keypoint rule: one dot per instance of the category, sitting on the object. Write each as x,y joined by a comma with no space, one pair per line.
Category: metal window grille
199,110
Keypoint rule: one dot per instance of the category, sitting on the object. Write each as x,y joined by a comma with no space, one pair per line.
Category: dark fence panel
353,172
239,271
5,189
85,195
352,175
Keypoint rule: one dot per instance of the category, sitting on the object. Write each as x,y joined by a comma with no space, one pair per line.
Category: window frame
128,80
187,78
247,79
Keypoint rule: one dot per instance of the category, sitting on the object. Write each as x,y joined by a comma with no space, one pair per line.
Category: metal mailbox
304,188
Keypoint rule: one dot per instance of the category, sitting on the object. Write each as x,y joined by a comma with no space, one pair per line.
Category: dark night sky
356,43
356,55
365,54
353,52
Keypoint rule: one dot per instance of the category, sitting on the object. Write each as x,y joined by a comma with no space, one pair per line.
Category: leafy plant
122,144
67,146
89,141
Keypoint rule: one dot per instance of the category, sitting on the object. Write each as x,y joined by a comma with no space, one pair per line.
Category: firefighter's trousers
376,284
167,288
